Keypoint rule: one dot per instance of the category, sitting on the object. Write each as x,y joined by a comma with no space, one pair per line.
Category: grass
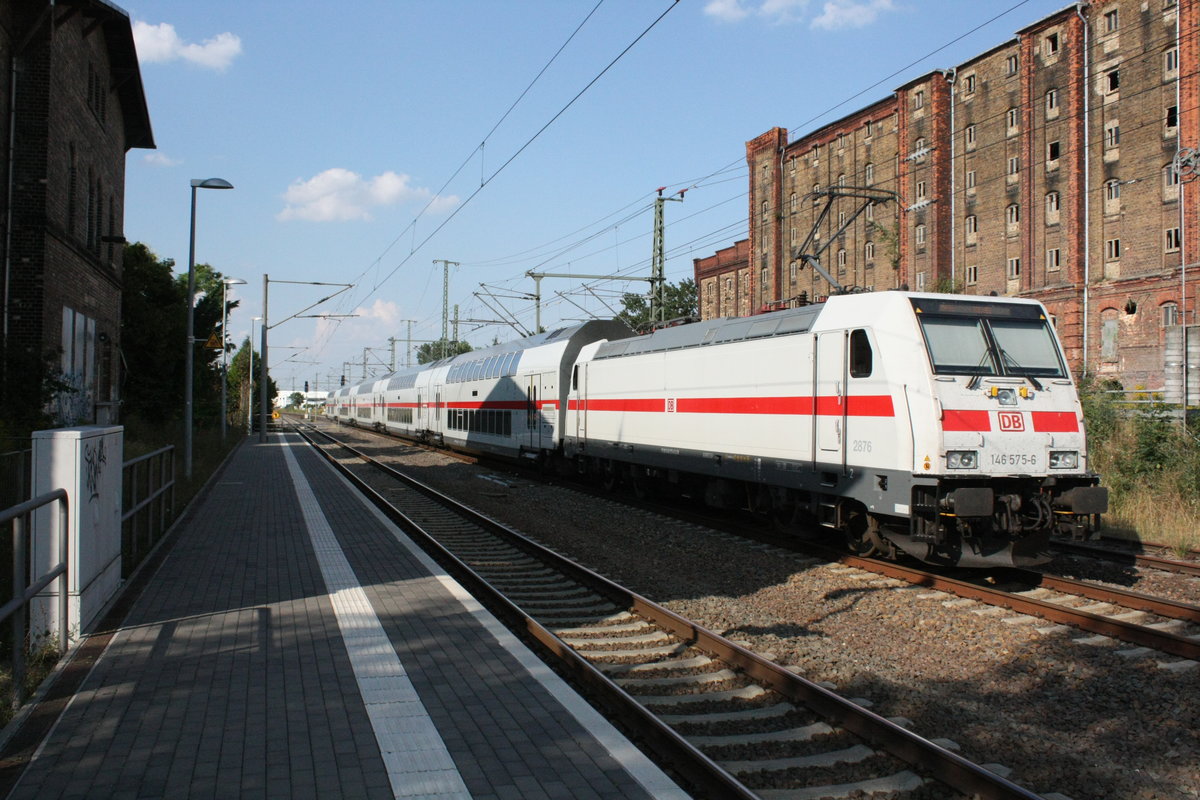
39,663
1150,461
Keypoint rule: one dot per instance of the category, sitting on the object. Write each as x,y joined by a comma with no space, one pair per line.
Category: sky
369,141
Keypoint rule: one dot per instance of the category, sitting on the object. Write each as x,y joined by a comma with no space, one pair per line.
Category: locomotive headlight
1007,397
962,459
1064,459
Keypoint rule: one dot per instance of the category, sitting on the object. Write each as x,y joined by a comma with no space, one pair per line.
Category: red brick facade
78,107
1040,168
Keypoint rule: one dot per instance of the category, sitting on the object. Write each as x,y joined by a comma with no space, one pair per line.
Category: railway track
1130,558
1153,623
727,719
1148,623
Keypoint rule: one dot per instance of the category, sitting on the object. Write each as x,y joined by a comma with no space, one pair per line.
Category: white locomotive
943,426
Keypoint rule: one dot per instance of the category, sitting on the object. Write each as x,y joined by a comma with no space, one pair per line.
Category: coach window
860,354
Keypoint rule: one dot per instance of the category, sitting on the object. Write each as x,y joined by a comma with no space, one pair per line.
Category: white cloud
337,195
781,11
160,43
157,158
381,313
726,10
834,14
851,13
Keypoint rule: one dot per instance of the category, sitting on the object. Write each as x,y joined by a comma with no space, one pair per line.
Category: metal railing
19,516
149,502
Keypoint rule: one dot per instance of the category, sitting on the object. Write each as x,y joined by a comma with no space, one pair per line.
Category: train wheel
610,476
862,533
784,511
642,482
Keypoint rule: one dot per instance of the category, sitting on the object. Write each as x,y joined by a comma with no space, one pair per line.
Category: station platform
293,643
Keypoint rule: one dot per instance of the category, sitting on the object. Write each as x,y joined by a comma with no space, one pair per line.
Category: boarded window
1108,339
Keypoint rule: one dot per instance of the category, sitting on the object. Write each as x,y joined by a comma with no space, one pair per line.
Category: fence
148,485
19,516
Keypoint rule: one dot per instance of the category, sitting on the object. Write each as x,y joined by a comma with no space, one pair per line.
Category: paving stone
231,675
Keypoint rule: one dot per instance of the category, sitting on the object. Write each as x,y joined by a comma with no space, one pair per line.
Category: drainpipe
8,216
1183,265
952,78
1087,237
12,146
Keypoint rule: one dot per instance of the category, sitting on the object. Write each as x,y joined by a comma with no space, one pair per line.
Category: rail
943,765
149,486
19,515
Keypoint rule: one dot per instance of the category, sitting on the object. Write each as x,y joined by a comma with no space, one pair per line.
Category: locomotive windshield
981,338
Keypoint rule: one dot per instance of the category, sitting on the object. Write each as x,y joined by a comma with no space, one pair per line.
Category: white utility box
87,462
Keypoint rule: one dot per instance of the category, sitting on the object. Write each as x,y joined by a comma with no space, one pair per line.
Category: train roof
588,331
715,331
801,320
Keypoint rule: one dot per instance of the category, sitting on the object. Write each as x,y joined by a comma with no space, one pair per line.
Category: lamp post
250,381
225,284
197,183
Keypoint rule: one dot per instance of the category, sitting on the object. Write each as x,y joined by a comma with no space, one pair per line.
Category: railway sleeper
640,654
595,619
558,591
694,681
694,662
802,734
602,608
586,631
751,714
656,637
745,693
573,603
904,781
850,755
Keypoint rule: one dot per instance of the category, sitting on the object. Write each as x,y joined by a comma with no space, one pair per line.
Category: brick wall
1046,175
68,177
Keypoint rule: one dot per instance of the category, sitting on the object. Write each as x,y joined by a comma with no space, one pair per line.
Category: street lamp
250,381
197,183
225,284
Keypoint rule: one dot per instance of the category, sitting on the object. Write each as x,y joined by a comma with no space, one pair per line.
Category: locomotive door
829,397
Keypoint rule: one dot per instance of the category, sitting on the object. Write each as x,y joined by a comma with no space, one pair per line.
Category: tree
153,326
153,329
243,387
442,348
206,361
296,399
680,301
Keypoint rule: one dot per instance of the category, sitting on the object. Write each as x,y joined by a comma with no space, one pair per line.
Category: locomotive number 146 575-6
1013,460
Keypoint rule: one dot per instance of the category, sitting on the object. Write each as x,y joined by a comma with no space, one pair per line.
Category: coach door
577,396
829,397
533,426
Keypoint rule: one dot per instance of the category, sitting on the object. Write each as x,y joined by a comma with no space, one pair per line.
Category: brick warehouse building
1040,168
70,83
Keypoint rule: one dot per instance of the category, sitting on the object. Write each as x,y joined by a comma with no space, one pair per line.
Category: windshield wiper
1010,361
974,382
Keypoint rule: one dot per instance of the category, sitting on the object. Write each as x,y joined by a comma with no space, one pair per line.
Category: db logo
670,405
1011,421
